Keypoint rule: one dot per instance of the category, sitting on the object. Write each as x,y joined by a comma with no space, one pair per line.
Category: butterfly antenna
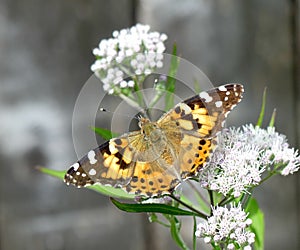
119,114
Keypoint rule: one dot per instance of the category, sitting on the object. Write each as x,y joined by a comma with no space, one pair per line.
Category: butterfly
154,160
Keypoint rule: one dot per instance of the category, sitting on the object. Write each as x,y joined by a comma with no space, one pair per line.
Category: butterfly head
150,130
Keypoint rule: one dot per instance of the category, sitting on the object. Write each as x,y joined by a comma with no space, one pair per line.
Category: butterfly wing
151,169
128,162
192,125
109,164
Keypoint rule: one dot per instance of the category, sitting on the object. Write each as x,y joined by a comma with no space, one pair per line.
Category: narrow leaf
55,173
105,190
257,226
111,191
175,233
272,120
104,133
203,206
151,208
262,110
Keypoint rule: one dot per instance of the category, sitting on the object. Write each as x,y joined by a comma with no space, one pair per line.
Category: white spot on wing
91,155
233,105
206,96
184,107
226,98
75,166
92,171
112,147
218,104
228,93
222,88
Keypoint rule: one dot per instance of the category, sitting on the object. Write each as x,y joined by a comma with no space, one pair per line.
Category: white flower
241,157
234,165
226,226
133,51
231,246
276,148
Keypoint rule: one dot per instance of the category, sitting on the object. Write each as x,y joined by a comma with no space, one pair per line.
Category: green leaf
104,133
257,226
262,110
175,233
217,197
202,205
151,208
111,191
55,173
170,86
105,190
272,120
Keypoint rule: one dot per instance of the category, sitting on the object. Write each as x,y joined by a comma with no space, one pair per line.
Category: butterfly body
157,158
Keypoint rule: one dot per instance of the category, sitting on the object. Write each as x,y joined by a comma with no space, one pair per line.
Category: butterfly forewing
185,139
196,121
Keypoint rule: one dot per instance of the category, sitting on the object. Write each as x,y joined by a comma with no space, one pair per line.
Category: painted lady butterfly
157,158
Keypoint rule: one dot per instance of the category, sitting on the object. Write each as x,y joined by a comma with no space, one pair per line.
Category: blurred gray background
45,49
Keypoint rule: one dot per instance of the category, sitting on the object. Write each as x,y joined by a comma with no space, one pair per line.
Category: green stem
161,223
139,94
202,215
155,99
246,198
132,102
269,176
194,235
226,200
211,197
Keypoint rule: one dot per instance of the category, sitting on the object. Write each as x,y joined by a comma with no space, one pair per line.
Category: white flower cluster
130,52
227,228
275,148
241,157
